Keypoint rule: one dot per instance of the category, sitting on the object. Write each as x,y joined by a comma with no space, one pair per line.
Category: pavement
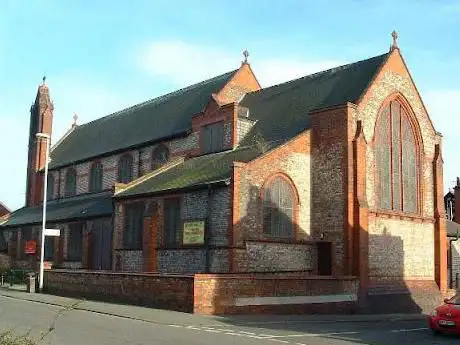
68,321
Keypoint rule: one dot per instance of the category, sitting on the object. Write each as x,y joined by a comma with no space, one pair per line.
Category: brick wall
5,261
159,291
455,265
400,249
274,257
273,293
177,147
243,127
180,259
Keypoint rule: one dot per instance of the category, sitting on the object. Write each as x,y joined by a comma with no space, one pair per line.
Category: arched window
50,187
278,208
396,160
160,156
125,169
70,182
95,178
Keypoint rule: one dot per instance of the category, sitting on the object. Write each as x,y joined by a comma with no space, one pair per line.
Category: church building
336,173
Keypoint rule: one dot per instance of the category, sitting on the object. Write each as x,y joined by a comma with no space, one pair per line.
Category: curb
374,318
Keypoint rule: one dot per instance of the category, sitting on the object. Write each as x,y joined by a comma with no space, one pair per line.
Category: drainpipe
207,231
139,165
451,282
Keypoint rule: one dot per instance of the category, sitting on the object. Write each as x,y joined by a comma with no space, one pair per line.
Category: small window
160,156
74,242
95,178
133,226
71,182
50,187
125,169
278,209
49,248
172,220
213,137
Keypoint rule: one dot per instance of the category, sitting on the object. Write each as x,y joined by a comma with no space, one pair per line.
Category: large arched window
278,203
70,182
396,160
160,156
95,178
125,169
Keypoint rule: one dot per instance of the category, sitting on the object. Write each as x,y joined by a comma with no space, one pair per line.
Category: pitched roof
80,207
192,173
281,110
159,118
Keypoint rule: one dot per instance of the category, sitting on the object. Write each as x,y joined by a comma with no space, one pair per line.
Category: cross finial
245,54
44,79
394,34
74,121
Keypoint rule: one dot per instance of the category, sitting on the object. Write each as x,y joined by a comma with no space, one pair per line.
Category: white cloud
183,63
443,107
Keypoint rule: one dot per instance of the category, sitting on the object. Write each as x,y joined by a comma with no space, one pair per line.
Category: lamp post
45,137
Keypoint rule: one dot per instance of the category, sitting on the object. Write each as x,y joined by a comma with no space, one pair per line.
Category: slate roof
80,207
193,173
162,117
281,110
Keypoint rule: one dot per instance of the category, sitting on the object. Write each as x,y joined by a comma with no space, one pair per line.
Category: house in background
336,173
3,210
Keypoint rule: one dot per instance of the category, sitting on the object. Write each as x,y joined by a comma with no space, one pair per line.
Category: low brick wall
173,292
5,262
283,293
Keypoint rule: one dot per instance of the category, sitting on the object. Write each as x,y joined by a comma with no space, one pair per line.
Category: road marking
409,330
310,335
195,328
231,333
177,326
280,341
250,333
212,330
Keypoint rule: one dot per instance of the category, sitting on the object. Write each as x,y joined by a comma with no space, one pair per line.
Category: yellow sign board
194,232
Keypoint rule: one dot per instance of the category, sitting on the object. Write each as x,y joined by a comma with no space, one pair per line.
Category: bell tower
41,121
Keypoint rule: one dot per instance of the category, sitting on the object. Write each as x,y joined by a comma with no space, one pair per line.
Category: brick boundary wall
286,293
163,291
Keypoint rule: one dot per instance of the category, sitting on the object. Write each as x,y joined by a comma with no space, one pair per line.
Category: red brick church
338,173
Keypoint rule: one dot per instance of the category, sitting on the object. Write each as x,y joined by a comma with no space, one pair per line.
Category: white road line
231,333
299,344
310,335
177,326
250,333
212,330
280,341
195,328
409,330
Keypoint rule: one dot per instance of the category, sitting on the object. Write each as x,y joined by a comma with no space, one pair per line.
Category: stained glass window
71,182
278,209
396,160
95,178
125,169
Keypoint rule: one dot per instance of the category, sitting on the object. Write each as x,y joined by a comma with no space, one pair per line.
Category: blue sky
101,56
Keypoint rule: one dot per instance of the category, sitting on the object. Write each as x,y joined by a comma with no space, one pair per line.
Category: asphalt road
61,326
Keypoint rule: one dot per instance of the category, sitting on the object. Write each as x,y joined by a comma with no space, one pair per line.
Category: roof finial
245,54
394,34
44,79
74,121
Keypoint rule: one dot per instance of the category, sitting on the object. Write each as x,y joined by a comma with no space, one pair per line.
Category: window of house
278,208
396,160
50,187
27,234
74,242
125,169
213,137
133,226
49,248
160,156
95,178
172,221
71,182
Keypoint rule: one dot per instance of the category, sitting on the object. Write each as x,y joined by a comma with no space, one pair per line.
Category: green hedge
15,276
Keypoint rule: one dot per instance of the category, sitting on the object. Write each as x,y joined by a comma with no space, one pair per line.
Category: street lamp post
45,137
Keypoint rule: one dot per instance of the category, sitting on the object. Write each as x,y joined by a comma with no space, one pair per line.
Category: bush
8,338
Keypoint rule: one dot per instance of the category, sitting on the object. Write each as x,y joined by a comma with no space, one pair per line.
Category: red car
446,318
